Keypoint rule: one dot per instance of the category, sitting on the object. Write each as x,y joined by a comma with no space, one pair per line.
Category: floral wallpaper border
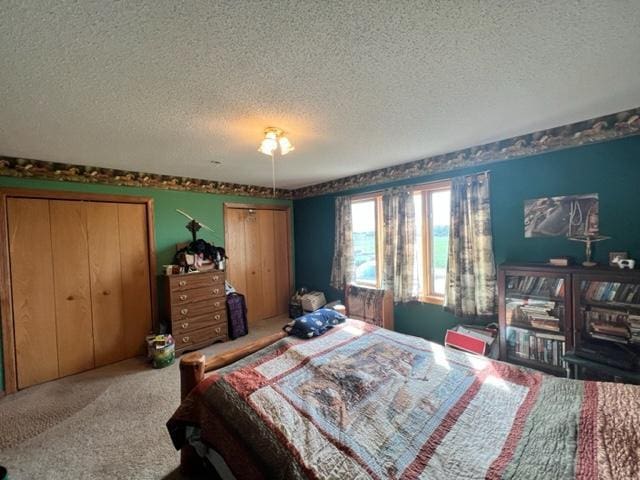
600,129
609,127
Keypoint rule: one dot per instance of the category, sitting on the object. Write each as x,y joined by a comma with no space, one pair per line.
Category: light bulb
285,145
268,145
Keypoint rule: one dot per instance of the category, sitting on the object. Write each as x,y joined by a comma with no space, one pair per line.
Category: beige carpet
106,423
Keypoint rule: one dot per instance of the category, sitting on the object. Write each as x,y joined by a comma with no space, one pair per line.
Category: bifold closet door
106,282
235,249
267,263
32,286
281,232
257,243
253,266
134,269
70,250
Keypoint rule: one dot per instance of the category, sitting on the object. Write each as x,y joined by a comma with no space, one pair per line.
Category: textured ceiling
168,87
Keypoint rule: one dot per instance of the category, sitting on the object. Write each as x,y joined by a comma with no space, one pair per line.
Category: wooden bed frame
193,367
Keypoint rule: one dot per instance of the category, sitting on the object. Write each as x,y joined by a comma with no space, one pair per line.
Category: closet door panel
267,263
72,286
32,290
235,248
254,294
106,282
136,289
282,259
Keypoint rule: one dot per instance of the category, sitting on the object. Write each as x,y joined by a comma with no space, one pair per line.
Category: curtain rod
380,190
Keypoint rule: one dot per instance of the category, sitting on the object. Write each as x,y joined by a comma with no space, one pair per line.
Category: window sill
433,300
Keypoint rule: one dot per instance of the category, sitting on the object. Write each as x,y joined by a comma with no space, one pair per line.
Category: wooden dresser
195,309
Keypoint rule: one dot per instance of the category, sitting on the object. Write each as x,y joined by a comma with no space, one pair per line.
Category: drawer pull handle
185,339
182,283
183,297
184,311
185,324
216,317
218,330
216,304
216,291
215,278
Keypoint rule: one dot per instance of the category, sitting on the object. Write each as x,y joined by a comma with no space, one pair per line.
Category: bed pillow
314,324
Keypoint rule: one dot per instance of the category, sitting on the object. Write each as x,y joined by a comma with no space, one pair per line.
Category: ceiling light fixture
274,141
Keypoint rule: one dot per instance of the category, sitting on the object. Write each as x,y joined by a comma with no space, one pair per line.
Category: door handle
218,330
184,311
216,291
216,304
216,317
183,297
182,283
185,324
185,339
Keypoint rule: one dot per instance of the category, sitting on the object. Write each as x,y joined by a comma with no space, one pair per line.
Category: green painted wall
169,225
610,169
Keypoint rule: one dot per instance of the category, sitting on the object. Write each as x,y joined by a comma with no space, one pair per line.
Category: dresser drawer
200,336
187,325
191,310
181,297
179,283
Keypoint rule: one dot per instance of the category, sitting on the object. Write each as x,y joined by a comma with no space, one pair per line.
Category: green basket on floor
162,350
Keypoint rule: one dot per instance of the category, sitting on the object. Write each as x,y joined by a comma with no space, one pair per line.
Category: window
366,243
432,205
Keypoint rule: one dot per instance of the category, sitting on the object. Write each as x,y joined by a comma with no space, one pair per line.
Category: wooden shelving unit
598,309
535,316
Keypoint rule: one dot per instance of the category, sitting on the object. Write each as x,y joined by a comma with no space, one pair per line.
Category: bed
364,402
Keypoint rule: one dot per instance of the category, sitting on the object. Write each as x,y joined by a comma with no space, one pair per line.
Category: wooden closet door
253,258
106,282
32,290
235,248
282,259
136,288
72,286
267,263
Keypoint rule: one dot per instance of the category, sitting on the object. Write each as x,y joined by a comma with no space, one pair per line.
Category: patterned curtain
342,269
399,233
471,272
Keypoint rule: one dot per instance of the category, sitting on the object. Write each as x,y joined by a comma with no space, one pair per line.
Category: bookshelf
549,314
607,322
535,314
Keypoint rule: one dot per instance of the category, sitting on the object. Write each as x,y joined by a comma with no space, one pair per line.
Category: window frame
426,293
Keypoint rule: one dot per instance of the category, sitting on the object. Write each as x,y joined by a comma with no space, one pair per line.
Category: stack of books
539,347
611,292
537,313
634,328
610,325
537,286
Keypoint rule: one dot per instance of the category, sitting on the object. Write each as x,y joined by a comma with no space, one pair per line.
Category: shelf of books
608,320
533,320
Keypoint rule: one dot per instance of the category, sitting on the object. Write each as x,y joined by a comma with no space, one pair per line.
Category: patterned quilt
363,402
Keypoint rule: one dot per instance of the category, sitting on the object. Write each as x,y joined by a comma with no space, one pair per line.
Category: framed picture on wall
621,255
561,216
